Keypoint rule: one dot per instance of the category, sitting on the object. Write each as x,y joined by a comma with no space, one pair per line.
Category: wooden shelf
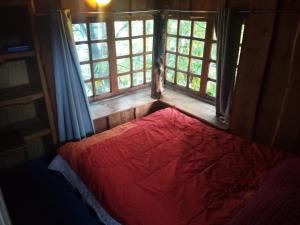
22,94
16,56
29,129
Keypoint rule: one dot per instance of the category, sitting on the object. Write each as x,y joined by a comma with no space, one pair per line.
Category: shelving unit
15,135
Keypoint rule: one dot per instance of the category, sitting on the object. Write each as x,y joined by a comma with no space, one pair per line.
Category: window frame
112,57
208,41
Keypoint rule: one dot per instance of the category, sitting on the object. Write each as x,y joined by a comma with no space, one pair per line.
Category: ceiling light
103,2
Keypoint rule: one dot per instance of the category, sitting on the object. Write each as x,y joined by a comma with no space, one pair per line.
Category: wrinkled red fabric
171,169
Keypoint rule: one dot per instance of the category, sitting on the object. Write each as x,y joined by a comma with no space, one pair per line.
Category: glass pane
239,55
124,81
197,48
195,83
172,26
185,28
212,73
183,63
196,66
86,71
149,44
242,33
99,51
138,78
79,32
121,29
184,46
214,34
170,75
149,61
211,89
102,86
98,31
137,27
171,44
137,45
88,89
101,69
171,60
148,75
138,62
122,48
199,29
83,52
213,53
181,79
123,65
149,27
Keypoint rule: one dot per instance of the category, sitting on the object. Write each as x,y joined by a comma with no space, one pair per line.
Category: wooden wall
259,111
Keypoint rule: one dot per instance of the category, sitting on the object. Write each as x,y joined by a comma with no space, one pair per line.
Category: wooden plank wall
263,70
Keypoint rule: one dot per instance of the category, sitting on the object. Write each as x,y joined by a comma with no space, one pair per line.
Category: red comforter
170,169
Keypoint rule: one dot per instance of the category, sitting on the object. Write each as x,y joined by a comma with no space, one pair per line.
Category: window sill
189,105
194,107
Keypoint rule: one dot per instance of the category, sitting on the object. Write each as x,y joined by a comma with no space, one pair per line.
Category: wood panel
256,44
276,79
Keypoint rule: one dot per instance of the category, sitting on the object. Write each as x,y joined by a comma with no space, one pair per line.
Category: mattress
168,168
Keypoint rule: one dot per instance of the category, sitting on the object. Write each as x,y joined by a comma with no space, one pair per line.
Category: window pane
171,60
185,28
213,53
124,81
171,44
214,34
148,75
172,26
183,63
149,61
86,71
195,83
123,65
138,78
197,48
149,44
137,27
102,86
83,52
184,46
98,31
212,73
101,69
196,66
99,51
242,33
138,62
170,75
122,48
79,32
199,29
211,89
181,79
149,27
137,45
88,89
121,29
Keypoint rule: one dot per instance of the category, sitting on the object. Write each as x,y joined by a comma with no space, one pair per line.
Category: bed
166,169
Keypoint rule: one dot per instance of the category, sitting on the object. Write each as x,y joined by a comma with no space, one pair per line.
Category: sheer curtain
228,31
73,114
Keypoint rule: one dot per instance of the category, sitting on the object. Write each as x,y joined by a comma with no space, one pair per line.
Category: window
129,66
189,65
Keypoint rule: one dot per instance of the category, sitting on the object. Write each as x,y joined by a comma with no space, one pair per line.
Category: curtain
73,114
228,31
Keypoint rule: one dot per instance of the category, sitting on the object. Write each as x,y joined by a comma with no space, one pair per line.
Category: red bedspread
170,169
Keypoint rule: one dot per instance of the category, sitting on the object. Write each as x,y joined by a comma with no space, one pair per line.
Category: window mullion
206,60
144,49
190,54
90,55
112,56
177,43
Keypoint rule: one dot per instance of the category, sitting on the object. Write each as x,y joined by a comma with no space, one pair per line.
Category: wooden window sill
189,105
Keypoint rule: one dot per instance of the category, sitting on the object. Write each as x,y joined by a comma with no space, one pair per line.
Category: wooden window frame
206,59
112,58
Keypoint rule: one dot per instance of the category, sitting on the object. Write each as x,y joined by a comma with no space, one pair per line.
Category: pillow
277,202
